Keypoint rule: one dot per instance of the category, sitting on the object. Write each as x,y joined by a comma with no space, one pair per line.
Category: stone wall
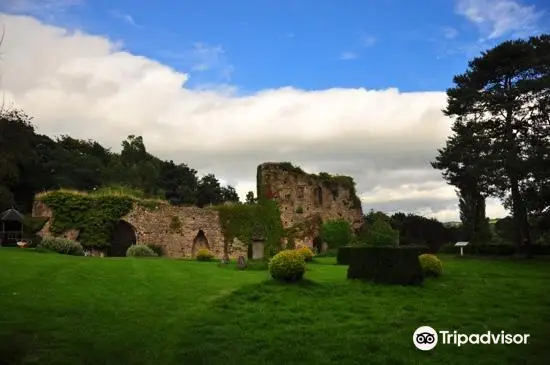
154,226
307,200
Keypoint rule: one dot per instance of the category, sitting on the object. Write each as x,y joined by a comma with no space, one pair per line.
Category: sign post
461,245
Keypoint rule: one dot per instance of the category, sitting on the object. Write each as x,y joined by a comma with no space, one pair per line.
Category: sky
351,87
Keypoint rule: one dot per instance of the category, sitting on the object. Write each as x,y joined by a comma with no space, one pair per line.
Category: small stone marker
461,245
241,263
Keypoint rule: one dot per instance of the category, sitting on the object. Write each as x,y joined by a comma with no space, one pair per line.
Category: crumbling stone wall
154,226
306,200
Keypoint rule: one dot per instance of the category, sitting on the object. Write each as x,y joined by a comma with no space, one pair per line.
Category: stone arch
199,242
317,244
123,236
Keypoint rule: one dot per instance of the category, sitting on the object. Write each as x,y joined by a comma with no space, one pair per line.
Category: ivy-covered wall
260,221
93,216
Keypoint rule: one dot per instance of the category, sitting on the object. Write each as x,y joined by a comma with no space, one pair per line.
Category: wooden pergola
11,224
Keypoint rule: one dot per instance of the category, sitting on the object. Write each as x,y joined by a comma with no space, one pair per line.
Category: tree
505,93
463,166
229,194
209,191
250,198
336,233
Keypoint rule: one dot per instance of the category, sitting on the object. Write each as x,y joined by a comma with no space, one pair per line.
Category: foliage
385,265
343,256
306,252
204,254
418,230
158,249
250,198
243,221
287,266
500,140
94,216
62,245
140,251
378,231
336,233
431,265
31,225
175,224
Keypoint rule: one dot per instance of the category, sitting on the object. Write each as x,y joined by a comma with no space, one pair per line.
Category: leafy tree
505,92
336,233
209,191
250,198
179,183
229,194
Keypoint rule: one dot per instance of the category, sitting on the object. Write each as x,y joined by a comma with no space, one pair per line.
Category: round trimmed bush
431,264
140,251
61,245
306,252
287,265
204,254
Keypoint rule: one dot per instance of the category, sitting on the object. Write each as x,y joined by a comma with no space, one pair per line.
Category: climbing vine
248,221
94,216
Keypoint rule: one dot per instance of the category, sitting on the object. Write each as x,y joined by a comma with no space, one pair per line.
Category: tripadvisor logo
426,338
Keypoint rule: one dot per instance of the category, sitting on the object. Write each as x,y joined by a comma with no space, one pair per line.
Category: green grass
58,309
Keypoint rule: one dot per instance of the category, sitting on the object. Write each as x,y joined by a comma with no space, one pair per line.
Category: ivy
175,225
94,216
248,221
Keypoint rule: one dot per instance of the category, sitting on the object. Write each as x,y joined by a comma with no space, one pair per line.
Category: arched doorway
318,244
199,242
124,236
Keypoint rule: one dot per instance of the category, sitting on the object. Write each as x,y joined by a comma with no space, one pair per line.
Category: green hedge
344,253
386,265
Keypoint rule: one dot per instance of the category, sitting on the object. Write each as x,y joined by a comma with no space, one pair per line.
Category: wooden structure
11,227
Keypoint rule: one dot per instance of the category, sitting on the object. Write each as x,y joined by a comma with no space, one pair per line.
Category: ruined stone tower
308,200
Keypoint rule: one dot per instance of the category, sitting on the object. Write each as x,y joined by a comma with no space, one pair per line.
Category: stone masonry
198,227
304,200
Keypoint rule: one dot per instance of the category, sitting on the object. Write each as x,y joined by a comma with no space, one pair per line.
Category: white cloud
126,18
450,33
368,40
349,56
87,87
497,18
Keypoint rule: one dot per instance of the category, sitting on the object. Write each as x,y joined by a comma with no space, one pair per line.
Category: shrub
288,266
140,251
159,250
431,265
336,233
306,252
386,265
343,255
204,254
62,245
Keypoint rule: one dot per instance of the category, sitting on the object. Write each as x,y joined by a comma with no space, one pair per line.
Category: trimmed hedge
343,255
204,254
287,266
431,264
386,265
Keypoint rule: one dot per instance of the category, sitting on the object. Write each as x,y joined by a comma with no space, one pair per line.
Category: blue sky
260,44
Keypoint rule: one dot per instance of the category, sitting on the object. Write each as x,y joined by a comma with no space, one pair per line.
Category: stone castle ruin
304,200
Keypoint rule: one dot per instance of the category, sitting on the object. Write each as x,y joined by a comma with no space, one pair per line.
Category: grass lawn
57,309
